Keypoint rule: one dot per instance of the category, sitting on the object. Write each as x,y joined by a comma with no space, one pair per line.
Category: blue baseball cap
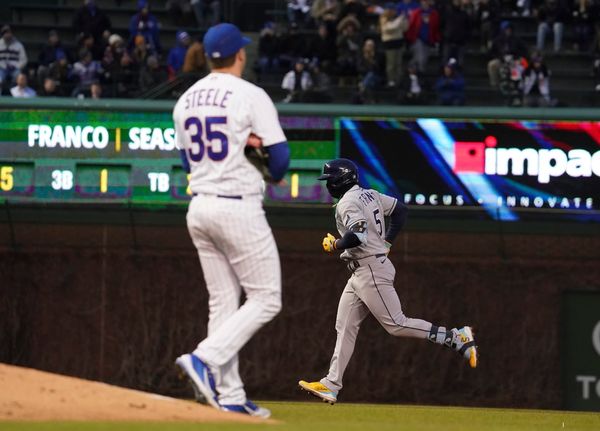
223,40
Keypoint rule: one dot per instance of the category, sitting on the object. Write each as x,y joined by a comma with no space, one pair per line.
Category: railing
326,110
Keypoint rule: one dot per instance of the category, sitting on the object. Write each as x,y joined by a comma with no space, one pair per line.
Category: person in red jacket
423,32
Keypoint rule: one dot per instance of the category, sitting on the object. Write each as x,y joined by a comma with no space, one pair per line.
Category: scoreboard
454,163
100,155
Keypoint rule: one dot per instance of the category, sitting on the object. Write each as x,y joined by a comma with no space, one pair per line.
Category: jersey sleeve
178,131
388,203
350,213
265,120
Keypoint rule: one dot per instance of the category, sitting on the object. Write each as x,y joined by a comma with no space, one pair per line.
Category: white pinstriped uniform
234,241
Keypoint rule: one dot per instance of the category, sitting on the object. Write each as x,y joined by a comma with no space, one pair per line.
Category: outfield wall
93,305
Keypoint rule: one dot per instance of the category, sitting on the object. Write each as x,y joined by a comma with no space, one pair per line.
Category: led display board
511,170
488,169
61,155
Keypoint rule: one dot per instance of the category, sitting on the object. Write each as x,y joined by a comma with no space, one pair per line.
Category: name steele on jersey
207,97
98,137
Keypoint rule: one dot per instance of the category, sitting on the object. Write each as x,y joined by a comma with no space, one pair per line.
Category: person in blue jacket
450,87
177,53
145,24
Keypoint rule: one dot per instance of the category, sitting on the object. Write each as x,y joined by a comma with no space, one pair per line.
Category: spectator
60,70
87,41
177,53
326,12
511,79
96,90
411,86
551,17
296,82
393,26
298,12
12,56
423,32
195,60
369,72
91,19
488,14
506,44
140,53
152,75
355,8
268,50
49,54
50,88
320,92
585,13
120,70
207,12
49,51
450,87
457,26
145,24
536,85
348,45
21,89
322,48
85,71
405,7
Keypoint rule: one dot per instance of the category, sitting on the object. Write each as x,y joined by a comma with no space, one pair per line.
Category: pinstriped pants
369,289
237,253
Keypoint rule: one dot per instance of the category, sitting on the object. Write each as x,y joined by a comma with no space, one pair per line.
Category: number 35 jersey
363,210
213,120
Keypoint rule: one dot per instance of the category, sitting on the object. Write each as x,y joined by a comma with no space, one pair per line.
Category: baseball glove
260,159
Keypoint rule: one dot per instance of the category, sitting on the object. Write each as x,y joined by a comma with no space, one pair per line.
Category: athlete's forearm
349,240
279,160
397,220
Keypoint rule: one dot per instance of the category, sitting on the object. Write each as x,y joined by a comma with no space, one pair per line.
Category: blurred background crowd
447,52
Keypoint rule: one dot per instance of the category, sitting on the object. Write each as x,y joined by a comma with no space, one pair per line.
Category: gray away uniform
371,285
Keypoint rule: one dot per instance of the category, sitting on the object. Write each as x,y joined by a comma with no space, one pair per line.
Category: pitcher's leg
351,312
255,261
224,300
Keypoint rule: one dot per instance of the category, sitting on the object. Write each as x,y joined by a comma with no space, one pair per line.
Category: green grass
313,416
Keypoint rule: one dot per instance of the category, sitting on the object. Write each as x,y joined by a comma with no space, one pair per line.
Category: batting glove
329,243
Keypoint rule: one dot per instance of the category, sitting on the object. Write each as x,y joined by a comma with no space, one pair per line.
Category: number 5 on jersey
198,147
378,221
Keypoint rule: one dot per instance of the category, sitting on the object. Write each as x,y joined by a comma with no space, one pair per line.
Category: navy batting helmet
341,175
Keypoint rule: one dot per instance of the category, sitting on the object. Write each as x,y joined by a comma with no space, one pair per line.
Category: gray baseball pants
369,289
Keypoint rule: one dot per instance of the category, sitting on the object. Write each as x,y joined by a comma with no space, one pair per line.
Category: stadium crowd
409,48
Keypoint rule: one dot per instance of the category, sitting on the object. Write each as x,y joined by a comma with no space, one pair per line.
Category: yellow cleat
464,344
319,390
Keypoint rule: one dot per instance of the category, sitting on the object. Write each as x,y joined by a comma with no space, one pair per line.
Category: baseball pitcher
364,243
215,120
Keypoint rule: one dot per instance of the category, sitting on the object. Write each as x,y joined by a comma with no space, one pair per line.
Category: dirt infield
33,395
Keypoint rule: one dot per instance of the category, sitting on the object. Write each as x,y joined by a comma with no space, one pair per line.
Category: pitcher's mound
33,395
